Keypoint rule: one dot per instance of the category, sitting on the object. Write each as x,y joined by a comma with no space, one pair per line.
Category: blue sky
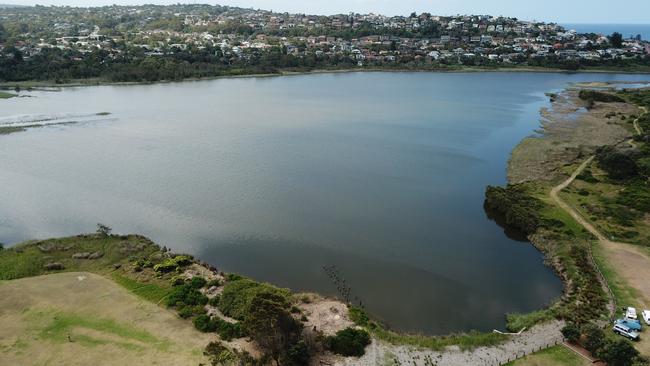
579,11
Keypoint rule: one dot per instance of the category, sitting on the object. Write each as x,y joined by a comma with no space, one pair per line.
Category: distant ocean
625,29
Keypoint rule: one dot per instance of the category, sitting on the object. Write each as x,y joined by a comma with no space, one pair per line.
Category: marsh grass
465,341
518,321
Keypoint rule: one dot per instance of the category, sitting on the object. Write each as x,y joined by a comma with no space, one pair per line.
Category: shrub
593,95
214,283
185,312
219,354
571,332
214,301
172,264
358,316
618,353
186,295
297,355
587,176
177,281
234,277
594,338
198,282
227,331
205,324
237,296
349,342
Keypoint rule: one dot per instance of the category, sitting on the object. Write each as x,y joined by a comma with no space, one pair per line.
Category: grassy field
80,318
93,311
554,356
599,199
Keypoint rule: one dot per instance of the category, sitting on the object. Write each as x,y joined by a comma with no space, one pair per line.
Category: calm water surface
379,174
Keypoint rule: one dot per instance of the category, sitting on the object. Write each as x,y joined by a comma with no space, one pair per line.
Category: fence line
603,280
501,361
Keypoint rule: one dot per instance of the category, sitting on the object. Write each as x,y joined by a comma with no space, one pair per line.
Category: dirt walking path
629,261
638,129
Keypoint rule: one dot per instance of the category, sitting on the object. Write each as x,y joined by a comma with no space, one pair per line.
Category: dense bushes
571,332
617,164
636,195
172,264
227,331
268,322
349,342
239,292
591,301
186,295
616,352
516,205
597,96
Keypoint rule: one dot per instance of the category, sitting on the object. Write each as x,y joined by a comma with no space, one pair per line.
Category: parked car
645,314
630,323
625,332
630,313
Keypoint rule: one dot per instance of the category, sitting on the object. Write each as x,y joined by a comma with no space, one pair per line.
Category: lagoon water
379,174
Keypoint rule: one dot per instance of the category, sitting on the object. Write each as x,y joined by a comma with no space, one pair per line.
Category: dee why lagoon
379,177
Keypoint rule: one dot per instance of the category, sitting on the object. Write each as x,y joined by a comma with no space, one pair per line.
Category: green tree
103,230
594,338
270,324
297,355
616,39
204,324
619,353
618,164
571,332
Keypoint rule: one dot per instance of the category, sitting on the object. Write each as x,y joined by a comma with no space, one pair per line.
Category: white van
645,314
630,313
